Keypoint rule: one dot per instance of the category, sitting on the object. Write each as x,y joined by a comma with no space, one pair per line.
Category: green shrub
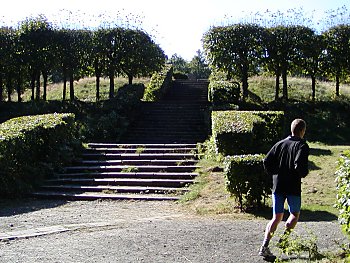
160,82
343,195
31,147
109,120
246,132
246,179
222,93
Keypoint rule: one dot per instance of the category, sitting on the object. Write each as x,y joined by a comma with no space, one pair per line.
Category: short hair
297,126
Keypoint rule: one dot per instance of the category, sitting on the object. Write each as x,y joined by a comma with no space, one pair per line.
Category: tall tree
312,58
36,36
236,49
141,56
114,38
180,65
285,50
198,66
6,56
98,56
75,56
337,51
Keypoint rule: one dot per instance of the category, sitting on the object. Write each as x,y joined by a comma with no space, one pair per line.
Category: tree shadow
320,152
12,207
317,152
316,216
305,215
313,166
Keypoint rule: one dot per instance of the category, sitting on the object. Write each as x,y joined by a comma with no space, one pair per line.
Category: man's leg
292,220
278,209
294,204
271,228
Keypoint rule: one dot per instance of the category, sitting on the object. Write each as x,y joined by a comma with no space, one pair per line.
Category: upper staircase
178,118
156,160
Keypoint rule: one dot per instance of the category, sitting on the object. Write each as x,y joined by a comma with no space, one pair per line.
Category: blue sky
177,26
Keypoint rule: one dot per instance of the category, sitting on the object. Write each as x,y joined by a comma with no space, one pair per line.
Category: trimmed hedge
223,93
31,147
246,179
159,84
343,195
246,132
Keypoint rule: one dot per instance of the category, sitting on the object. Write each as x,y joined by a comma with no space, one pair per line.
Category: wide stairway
156,160
178,118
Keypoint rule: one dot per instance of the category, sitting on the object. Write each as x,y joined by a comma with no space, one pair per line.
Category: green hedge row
31,147
223,94
159,84
246,179
246,132
343,188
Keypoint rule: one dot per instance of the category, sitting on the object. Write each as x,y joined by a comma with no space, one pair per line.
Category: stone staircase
156,160
178,118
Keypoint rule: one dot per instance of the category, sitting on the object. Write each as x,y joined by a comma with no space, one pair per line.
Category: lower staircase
126,171
156,160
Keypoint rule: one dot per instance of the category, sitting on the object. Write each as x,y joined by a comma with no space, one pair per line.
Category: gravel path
105,231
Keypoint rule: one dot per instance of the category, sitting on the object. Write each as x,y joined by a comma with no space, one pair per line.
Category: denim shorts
278,200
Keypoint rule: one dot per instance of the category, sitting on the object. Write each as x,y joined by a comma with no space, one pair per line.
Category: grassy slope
84,89
319,193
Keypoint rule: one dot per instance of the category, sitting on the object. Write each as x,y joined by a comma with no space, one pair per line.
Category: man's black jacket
287,163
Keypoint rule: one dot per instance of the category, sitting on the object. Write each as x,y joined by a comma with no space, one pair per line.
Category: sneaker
265,252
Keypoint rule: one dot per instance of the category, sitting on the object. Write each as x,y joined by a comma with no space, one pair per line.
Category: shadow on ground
11,207
316,216
305,215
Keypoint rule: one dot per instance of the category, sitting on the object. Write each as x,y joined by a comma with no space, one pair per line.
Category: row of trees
36,50
245,49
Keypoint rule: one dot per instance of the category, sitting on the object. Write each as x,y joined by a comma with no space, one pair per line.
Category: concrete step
145,175
132,168
138,156
96,196
163,146
120,182
116,189
138,162
138,150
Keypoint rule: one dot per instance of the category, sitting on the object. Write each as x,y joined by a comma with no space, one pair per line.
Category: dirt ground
126,231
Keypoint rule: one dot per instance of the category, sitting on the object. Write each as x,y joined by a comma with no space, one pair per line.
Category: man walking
287,163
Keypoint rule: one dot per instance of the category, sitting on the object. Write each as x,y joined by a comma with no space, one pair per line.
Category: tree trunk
285,85
32,85
9,87
18,88
45,85
111,85
37,93
277,86
337,85
71,87
313,87
98,76
64,87
130,77
245,82
97,87
1,88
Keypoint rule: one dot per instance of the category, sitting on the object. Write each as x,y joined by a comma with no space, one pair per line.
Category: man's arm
270,164
301,162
